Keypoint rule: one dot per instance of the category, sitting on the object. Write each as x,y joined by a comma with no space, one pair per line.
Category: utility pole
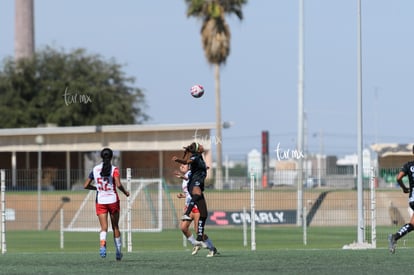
301,116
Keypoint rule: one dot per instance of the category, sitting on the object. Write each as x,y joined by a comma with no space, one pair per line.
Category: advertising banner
262,217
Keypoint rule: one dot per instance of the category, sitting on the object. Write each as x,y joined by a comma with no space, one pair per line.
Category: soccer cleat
102,249
119,256
212,253
200,243
391,243
196,248
186,218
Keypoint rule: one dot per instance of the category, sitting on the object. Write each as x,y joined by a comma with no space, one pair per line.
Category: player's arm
400,176
180,175
120,186
118,183
181,161
180,196
88,183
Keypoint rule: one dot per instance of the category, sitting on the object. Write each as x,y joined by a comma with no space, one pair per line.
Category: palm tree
215,37
24,44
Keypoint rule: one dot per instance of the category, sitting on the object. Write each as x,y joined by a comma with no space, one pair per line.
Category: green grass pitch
278,251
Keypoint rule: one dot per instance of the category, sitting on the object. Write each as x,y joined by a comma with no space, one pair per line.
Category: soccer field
296,261
279,251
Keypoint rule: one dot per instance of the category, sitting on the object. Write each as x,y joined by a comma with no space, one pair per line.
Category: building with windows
64,153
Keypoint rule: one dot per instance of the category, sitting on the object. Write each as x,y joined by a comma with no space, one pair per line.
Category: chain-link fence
330,201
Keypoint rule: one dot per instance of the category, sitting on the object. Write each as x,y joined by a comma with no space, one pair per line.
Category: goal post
372,218
150,189
373,198
3,212
142,211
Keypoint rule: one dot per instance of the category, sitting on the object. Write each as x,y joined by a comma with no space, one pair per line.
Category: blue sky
161,48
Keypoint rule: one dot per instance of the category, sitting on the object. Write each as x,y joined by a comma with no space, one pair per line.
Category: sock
405,229
102,237
191,239
200,229
118,244
209,244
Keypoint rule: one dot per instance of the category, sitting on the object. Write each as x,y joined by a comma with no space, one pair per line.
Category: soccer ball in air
197,91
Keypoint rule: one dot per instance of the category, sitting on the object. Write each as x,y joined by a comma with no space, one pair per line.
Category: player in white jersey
107,180
185,174
195,214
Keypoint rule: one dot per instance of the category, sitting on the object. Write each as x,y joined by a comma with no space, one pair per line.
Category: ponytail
192,148
106,155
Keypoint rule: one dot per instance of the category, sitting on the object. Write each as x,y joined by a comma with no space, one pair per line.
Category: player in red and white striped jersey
107,180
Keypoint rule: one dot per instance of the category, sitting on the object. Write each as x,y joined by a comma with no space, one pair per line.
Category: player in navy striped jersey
406,170
184,174
198,170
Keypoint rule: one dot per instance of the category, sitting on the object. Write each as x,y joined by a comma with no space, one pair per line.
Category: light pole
225,125
300,142
319,157
39,141
360,200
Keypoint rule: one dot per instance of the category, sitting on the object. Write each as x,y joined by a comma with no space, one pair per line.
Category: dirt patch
338,207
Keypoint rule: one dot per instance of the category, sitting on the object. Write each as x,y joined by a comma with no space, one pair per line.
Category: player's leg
197,245
194,188
115,226
198,196
114,214
102,213
202,207
196,217
185,228
404,230
212,250
208,242
192,203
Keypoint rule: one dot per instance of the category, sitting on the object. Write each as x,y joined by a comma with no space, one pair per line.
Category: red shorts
194,210
107,208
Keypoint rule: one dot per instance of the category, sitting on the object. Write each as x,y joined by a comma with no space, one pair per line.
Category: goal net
142,211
